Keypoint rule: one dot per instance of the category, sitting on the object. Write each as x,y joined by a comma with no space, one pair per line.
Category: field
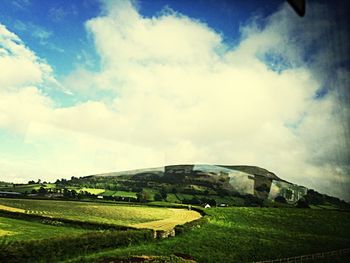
157,218
237,234
14,229
119,193
249,234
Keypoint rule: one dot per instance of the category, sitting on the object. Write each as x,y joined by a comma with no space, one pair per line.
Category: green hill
216,185
194,184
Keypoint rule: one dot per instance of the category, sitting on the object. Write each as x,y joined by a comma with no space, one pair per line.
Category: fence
305,258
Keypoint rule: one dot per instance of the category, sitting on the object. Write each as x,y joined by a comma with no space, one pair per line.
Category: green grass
151,192
171,198
17,229
119,193
124,194
250,234
108,193
95,191
88,211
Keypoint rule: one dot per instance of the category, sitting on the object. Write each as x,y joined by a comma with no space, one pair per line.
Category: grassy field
15,229
237,234
94,191
119,193
180,216
102,213
249,234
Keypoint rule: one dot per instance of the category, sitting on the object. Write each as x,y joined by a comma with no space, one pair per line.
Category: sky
94,86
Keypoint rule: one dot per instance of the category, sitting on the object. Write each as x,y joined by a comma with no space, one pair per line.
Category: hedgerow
53,249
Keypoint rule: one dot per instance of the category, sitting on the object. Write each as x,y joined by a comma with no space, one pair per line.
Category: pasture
16,229
135,216
249,234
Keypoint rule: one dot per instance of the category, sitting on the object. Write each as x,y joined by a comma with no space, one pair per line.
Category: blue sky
98,86
55,30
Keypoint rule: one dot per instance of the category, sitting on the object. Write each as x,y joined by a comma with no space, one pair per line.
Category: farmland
49,231
102,213
15,229
248,234
237,234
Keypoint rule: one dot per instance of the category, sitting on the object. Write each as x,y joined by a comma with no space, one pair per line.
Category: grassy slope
15,229
248,234
119,193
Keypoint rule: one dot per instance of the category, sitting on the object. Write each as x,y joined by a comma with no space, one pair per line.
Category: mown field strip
180,216
12,209
138,216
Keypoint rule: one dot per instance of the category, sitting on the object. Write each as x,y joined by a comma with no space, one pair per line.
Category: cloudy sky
98,86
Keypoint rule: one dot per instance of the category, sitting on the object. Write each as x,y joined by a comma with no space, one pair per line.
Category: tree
314,198
163,193
158,197
66,193
209,201
142,196
251,200
302,203
73,193
280,199
31,182
42,191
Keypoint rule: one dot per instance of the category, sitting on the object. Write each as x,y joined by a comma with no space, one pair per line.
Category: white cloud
181,95
19,65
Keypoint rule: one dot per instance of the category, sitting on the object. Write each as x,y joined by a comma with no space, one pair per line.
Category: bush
302,203
251,200
158,197
179,229
280,199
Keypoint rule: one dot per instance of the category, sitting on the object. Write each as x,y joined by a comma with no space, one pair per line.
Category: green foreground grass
249,234
16,229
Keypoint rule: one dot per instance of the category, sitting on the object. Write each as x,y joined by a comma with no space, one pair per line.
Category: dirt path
180,216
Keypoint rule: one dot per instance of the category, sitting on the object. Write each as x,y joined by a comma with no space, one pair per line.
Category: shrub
158,197
179,229
302,203
280,199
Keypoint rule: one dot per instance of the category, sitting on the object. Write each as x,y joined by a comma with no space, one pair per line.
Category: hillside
226,184
216,185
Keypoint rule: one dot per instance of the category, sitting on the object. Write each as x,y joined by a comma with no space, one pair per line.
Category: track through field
180,216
